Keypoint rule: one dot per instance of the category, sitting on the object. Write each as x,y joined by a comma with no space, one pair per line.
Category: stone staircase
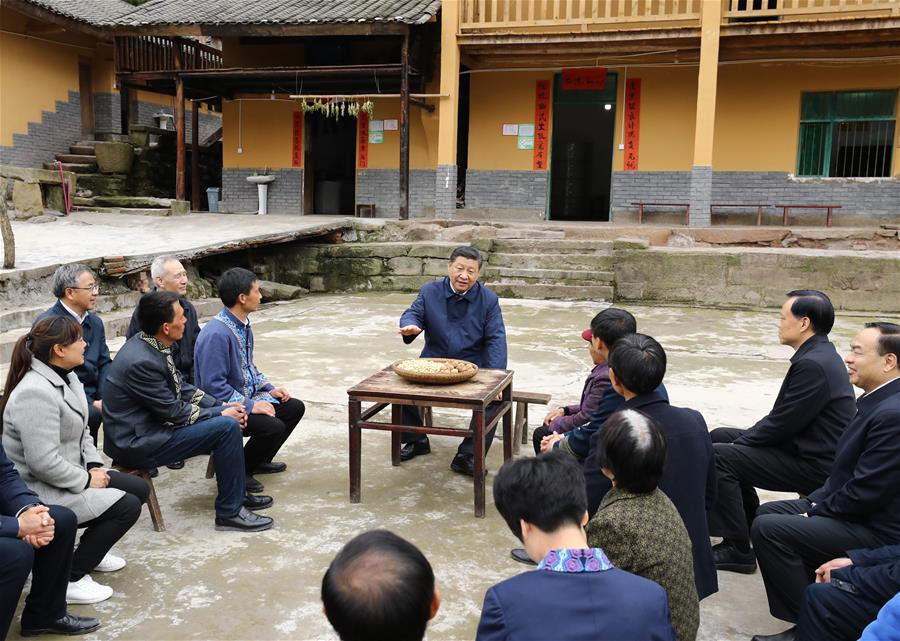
551,269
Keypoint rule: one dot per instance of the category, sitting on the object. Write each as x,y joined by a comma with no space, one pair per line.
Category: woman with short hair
43,420
636,524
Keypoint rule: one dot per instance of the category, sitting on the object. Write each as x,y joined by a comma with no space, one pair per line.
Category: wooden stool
152,503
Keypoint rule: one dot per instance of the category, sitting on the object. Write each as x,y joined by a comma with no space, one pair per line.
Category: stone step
81,201
590,262
78,168
110,136
137,211
86,143
549,276
554,292
82,159
134,202
82,149
103,184
539,246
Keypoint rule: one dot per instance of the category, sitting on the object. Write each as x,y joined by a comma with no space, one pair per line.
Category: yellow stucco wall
34,74
495,99
261,128
758,109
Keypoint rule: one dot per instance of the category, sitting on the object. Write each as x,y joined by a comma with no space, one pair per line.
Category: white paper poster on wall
526,130
376,125
391,125
510,130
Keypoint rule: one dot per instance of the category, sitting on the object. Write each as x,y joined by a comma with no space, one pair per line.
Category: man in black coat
152,417
169,275
75,288
637,364
859,505
792,448
848,594
36,539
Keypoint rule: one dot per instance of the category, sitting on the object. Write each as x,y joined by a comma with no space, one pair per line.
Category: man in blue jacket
859,505
575,592
461,319
75,288
848,593
35,539
792,448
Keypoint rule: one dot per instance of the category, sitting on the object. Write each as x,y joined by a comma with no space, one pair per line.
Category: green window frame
848,134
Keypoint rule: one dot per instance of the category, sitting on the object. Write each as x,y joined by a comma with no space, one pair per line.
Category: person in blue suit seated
461,319
887,626
582,596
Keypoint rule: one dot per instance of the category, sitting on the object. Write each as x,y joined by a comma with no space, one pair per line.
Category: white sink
261,180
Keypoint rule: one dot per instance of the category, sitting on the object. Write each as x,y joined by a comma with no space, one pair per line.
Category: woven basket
433,378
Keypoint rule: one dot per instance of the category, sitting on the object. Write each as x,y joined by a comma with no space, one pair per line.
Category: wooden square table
387,388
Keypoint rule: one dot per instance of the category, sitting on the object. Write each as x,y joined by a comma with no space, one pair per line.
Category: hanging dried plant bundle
337,108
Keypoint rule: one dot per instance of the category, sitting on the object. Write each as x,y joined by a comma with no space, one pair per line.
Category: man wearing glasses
75,288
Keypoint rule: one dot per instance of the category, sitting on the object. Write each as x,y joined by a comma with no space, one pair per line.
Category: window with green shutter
847,134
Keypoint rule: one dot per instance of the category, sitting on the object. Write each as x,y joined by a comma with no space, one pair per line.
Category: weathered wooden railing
584,15
156,53
808,9
478,15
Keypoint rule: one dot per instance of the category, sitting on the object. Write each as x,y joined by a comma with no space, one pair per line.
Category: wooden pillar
704,130
404,127
179,123
195,155
124,105
448,105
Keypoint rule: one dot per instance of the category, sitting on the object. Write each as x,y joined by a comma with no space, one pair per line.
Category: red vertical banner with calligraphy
362,139
632,123
541,125
297,140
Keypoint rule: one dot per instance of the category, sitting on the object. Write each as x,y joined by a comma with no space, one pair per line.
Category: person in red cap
568,417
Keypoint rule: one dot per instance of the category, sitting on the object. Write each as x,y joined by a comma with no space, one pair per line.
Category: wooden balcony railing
478,16
807,9
582,15
155,53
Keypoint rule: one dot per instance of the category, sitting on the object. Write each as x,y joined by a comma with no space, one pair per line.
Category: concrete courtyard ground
192,582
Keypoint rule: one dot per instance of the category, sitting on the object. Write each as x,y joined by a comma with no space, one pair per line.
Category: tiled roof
237,12
94,12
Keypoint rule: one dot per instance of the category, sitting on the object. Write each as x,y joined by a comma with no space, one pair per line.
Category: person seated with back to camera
575,592
636,523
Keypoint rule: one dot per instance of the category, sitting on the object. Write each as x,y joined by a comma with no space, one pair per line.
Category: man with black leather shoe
857,507
461,319
152,417
792,448
38,540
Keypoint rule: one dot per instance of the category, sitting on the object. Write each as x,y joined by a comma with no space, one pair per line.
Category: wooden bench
520,422
641,204
759,209
365,210
152,502
787,208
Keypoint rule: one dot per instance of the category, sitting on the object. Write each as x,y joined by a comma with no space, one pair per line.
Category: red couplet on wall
541,124
297,140
584,79
362,139
632,123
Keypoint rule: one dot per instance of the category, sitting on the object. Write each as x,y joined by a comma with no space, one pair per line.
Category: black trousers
268,433
413,416
740,470
789,548
95,417
49,567
538,435
829,613
102,533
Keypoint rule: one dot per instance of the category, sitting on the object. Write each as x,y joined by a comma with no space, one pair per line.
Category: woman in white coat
43,419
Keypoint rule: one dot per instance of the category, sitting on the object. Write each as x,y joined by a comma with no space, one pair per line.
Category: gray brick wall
239,196
53,135
381,187
701,195
876,198
107,112
506,189
209,122
445,191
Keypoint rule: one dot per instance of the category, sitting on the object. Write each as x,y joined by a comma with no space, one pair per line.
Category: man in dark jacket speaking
461,319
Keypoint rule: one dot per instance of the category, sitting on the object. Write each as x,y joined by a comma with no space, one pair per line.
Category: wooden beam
179,126
404,128
195,156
